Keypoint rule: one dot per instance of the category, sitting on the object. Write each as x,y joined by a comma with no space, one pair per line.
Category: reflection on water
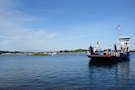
112,72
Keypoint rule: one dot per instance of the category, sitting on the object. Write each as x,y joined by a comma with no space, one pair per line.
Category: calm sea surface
65,72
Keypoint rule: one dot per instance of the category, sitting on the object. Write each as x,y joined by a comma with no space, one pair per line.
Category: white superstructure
124,42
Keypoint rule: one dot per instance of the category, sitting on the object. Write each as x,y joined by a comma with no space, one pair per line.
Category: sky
53,25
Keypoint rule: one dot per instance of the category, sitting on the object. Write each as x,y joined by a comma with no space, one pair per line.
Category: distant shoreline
77,51
132,51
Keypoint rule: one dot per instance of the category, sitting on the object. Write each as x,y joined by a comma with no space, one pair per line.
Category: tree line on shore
61,51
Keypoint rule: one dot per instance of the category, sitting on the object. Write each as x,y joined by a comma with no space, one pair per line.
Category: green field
39,54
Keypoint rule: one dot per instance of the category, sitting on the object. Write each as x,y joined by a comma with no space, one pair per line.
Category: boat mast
119,32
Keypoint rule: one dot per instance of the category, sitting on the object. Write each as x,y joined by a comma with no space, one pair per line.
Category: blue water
65,72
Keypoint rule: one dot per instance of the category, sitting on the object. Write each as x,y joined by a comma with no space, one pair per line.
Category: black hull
106,62
109,58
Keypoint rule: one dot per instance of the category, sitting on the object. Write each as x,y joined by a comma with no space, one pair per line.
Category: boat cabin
124,44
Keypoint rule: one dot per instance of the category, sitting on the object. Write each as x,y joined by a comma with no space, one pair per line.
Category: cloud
14,34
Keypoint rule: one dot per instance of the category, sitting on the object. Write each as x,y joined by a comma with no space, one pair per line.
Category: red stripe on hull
109,57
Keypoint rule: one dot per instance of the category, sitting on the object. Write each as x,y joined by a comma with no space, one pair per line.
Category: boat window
124,39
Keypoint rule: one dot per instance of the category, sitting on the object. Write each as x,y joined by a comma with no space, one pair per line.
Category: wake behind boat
108,54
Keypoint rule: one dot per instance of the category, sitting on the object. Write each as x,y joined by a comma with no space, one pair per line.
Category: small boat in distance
108,54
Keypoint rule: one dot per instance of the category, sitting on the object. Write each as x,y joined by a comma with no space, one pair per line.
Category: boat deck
103,57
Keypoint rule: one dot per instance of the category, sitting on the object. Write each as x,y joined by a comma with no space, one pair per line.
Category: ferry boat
108,54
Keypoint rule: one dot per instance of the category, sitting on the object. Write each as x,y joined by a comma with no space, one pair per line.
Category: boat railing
112,53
